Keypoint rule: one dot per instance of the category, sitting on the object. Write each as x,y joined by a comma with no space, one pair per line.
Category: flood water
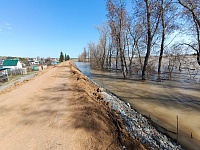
162,101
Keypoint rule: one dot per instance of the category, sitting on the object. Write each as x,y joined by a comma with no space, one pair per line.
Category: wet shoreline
163,101
138,125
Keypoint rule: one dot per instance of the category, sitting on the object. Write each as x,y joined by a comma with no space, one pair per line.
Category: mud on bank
98,115
136,124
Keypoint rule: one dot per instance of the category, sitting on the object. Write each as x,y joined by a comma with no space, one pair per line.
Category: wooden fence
3,78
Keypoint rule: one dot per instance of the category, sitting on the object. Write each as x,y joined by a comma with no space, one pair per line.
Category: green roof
10,62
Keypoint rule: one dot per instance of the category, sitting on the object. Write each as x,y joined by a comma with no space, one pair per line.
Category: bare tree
112,23
100,53
93,55
109,54
103,42
168,14
136,33
191,9
148,13
83,56
118,25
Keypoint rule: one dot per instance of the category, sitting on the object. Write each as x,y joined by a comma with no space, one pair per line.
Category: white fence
14,72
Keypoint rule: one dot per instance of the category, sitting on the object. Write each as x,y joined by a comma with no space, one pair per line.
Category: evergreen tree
65,57
61,57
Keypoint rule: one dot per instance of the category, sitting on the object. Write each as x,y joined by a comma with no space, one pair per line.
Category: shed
12,64
3,75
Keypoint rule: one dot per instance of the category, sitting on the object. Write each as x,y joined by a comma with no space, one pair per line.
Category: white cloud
5,26
9,28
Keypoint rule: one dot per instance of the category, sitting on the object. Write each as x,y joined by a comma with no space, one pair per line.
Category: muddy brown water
162,101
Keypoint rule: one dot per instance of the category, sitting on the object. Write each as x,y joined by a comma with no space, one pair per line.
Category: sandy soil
59,109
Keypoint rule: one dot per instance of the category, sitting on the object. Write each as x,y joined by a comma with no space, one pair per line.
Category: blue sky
31,28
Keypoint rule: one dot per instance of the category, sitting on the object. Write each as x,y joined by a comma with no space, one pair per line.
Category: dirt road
57,110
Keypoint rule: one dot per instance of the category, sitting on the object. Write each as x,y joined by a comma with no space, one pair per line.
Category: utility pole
177,129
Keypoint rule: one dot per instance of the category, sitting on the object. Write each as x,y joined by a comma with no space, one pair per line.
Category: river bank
83,83
60,109
162,101
136,124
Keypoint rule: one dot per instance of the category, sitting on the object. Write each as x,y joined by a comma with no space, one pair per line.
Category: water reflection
163,101
84,67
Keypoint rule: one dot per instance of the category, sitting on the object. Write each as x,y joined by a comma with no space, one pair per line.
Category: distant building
33,62
12,64
1,62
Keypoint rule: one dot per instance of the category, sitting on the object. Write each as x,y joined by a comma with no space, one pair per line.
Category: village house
12,64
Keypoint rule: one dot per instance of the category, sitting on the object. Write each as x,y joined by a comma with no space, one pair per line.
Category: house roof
3,69
10,62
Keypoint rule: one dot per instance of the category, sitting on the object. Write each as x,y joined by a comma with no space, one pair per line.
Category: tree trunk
121,57
110,58
125,64
163,40
104,56
198,58
198,38
116,61
139,55
149,40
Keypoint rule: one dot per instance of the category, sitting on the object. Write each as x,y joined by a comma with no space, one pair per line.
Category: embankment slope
59,109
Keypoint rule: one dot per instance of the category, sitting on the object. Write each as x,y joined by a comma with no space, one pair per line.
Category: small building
1,62
3,75
33,62
12,64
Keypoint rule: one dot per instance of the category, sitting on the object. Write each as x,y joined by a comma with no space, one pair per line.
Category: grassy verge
14,78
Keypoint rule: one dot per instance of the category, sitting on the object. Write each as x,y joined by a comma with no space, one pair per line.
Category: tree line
130,36
63,57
